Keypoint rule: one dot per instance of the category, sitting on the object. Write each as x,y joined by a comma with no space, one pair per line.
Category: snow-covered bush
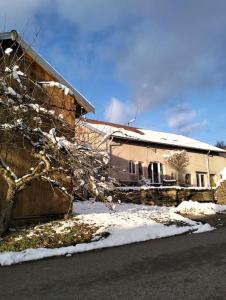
178,160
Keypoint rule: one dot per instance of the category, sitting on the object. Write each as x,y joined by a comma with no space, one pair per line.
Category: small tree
221,144
178,160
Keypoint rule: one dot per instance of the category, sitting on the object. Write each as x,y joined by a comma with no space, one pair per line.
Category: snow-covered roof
148,136
15,36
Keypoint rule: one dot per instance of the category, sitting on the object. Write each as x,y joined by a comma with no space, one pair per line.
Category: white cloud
190,128
96,15
160,49
183,119
180,116
119,112
20,14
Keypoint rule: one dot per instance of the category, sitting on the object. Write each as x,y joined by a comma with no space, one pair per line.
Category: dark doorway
140,169
155,172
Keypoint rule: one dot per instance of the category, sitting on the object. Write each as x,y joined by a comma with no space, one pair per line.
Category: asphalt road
183,267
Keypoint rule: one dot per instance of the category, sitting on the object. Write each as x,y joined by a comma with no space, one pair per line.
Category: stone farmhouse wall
170,196
199,161
122,151
220,194
164,197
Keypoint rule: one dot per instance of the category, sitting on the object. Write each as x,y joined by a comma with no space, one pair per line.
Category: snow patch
8,51
59,85
196,208
206,227
126,223
162,187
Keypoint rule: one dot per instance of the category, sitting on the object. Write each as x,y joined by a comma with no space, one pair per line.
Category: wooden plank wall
40,199
61,103
66,105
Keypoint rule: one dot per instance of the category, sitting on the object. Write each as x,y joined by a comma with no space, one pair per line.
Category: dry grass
53,234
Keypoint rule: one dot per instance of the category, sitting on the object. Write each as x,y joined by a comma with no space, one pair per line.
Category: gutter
15,36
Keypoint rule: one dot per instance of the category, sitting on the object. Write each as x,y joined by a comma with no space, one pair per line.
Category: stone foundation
167,196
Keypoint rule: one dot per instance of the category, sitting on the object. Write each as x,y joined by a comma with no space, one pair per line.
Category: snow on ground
196,208
162,187
126,223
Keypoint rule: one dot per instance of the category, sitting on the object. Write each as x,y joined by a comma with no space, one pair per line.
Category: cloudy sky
161,61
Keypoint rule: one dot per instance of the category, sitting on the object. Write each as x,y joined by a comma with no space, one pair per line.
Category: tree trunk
6,212
178,178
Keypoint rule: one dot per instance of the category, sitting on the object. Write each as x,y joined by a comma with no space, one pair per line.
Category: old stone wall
221,193
167,196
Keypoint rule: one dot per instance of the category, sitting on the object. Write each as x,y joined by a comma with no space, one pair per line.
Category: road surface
189,266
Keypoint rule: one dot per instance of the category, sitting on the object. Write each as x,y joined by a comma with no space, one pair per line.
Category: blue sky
162,62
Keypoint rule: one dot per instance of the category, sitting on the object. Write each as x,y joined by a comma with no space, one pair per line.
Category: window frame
201,179
132,167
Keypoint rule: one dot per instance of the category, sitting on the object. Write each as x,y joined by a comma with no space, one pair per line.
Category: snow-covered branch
29,124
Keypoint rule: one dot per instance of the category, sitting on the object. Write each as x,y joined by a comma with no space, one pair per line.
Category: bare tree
28,125
178,160
221,144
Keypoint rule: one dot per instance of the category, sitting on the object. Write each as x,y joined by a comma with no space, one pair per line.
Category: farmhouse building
137,153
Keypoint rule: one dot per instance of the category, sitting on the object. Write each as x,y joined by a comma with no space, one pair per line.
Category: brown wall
61,103
40,199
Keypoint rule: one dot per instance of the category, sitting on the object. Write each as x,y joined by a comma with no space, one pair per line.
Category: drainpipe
208,170
210,184
109,152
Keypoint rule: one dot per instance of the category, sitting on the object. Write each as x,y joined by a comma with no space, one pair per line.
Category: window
155,172
188,179
200,177
140,169
132,167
